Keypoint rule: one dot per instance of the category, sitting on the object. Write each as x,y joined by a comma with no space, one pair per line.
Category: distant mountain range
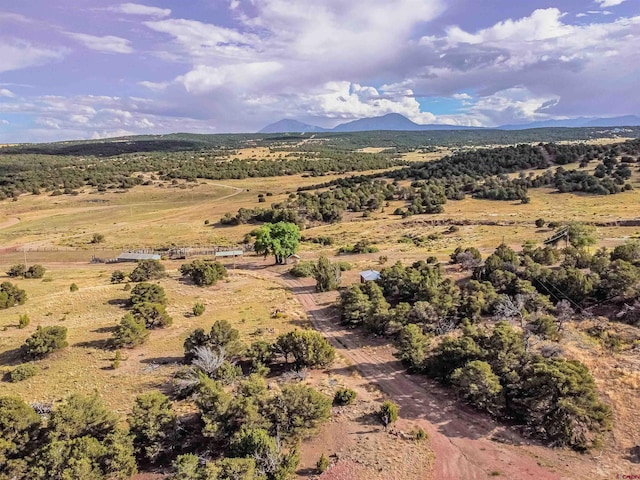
395,121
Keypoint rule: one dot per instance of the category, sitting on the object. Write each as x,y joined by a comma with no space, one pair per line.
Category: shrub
198,309
344,396
22,372
147,270
97,238
118,276
116,360
23,321
153,426
73,287
222,335
344,266
260,353
322,464
148,293
307,347
130,332
204,272
17,270
540,222
327,275
19,431
44,341
10,295
297,409
388,412
35,271
154,315
421,434
303,269
478,384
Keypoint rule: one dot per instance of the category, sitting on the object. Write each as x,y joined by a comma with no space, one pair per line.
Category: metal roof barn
135,257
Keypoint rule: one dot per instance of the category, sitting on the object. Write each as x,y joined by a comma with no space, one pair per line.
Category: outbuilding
369,276
136,257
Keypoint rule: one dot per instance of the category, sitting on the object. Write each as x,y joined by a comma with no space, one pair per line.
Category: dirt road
461,439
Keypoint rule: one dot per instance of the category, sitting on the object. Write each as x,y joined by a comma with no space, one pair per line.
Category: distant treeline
394,140
481,173
64,175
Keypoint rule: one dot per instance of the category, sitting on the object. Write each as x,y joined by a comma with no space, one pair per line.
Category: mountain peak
289,125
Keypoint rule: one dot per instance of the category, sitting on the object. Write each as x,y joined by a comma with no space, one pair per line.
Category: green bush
478,385
344,266
73,287
307,347
117,358
17,270
148,293
152,423
147,270
130,333
118,276
35,271
23,321
322,464
388,412
198,309
421,434
303,269
22,372
344,396
204,273
10,295
154,315
44,341
327,275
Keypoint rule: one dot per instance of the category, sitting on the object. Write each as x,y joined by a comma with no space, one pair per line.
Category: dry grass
89,314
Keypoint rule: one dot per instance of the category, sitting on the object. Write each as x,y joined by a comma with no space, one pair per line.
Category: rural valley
362,305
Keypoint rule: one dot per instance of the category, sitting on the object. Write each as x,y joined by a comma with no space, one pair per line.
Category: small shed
136,257
369,276
295,258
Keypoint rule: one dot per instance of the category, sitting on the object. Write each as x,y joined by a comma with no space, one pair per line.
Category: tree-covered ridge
59,174
397,141
481,173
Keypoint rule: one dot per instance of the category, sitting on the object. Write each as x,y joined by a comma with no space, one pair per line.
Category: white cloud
348,101
204,43
609,3
138,9
6,93
86,116
106,44
19,54
4,122
543,24
242,76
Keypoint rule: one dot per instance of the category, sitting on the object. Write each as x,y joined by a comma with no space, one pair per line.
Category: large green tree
278,239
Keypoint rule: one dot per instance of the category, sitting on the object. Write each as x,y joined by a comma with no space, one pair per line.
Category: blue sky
97,68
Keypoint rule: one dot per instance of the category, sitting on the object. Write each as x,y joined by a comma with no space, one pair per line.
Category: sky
80,69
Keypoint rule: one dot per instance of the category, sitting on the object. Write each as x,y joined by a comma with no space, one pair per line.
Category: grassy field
91,313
